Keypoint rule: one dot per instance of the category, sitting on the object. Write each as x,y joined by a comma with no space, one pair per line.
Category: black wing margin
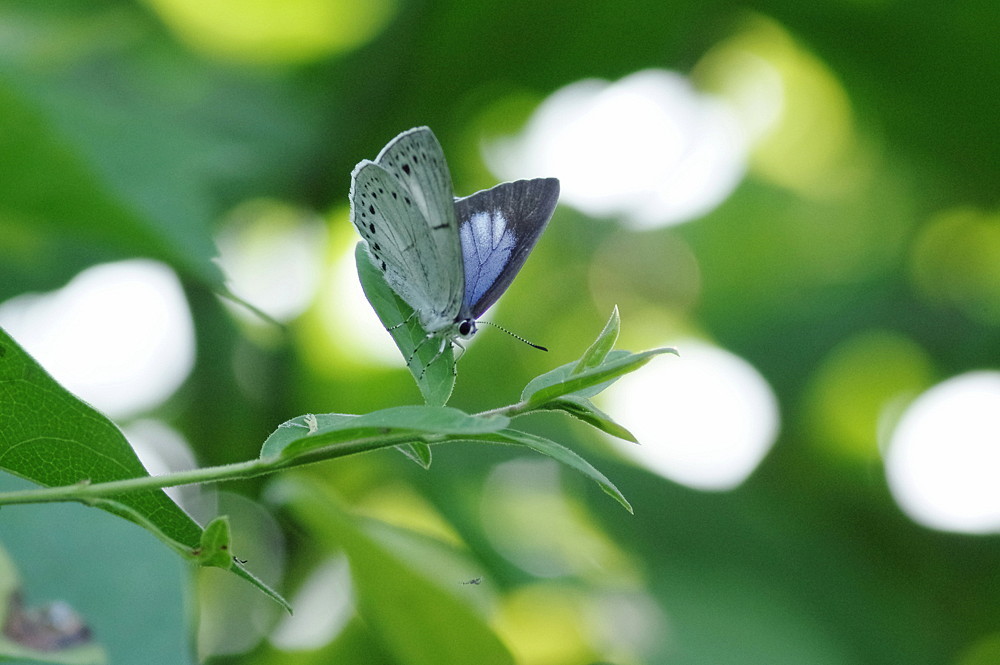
499,228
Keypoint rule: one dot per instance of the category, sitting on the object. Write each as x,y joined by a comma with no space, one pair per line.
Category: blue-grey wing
498,228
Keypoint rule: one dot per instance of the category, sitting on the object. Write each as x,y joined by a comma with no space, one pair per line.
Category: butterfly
448,258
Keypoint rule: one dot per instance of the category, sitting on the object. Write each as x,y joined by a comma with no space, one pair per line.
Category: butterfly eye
467,327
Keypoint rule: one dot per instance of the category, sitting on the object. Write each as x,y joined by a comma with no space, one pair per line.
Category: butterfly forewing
498,228
417,161
388,218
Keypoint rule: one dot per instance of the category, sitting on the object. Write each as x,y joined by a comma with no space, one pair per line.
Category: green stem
511,410
87,492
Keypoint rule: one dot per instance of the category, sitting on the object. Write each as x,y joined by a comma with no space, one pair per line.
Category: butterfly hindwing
498,229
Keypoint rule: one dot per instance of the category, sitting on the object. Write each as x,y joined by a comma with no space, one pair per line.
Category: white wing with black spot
403,206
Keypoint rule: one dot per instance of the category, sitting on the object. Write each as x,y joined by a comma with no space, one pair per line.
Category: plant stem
87,492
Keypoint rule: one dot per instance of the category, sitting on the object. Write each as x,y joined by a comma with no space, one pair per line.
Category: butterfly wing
498,229
402,205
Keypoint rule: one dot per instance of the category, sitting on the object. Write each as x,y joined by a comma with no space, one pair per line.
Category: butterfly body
449,259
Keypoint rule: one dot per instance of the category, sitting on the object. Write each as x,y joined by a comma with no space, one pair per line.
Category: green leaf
561,454
602,346
216,543
51,438
418,451
306,433
585,410
61,177
417,621
563,381
432,368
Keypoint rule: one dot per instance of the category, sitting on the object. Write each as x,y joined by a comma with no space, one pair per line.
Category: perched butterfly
448,258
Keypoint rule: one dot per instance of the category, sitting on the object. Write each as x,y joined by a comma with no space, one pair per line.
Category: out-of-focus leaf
418,622
56,175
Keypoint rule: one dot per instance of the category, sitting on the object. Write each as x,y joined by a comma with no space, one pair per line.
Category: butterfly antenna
514,335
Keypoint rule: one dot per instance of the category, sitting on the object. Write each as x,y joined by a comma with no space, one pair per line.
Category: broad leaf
51,438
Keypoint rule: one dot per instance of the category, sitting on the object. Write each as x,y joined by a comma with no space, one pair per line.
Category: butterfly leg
444,345
403,322
413,353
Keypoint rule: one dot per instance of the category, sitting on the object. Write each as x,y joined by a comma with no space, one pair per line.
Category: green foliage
124,134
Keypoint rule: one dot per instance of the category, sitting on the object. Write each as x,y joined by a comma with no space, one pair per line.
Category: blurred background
800,197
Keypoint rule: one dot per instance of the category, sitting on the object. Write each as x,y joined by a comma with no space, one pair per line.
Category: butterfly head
465,328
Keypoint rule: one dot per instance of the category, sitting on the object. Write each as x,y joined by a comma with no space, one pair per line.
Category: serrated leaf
51,438
599,350
297,436
432,368
585,410
561,454
562,381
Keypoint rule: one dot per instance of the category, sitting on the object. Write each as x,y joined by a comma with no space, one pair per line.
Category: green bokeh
122,135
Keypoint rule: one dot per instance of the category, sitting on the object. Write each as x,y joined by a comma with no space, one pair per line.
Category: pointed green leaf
384,426
432,368
50,437
560,454
585,410
562,381
418,451
602,346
